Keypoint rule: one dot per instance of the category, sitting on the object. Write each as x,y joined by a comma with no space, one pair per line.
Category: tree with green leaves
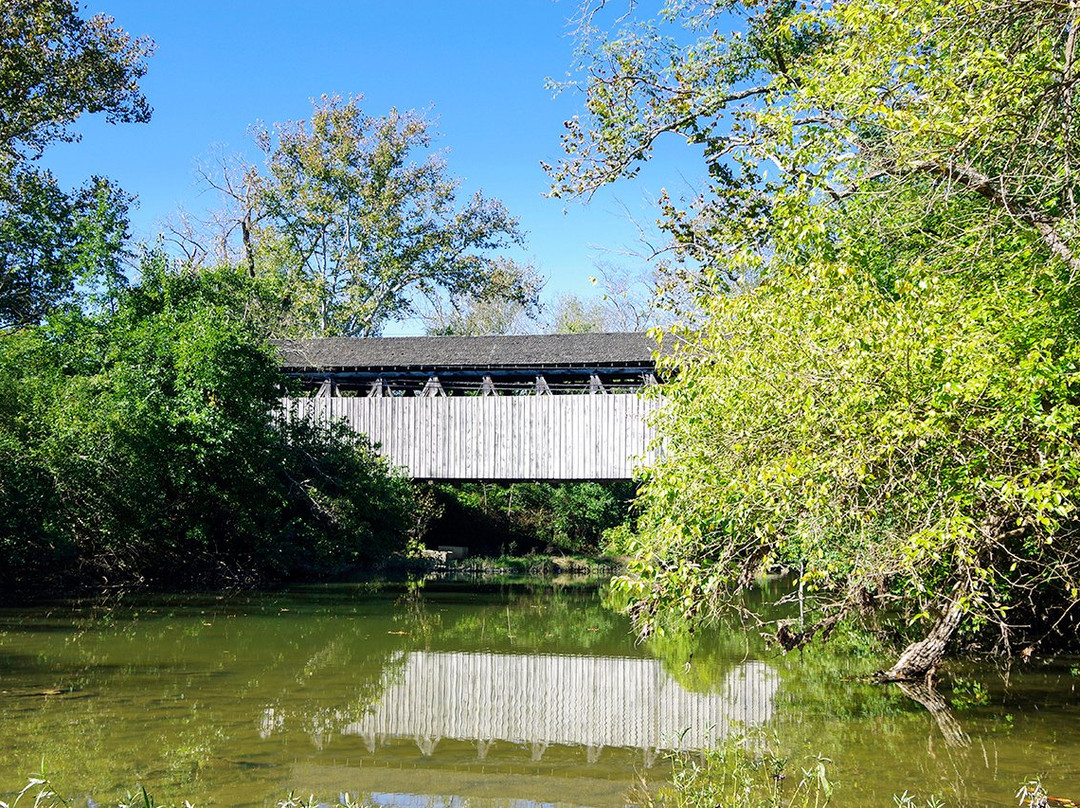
140,438
141,444
572,314
56,66
508,304
360,221
879,387
52,243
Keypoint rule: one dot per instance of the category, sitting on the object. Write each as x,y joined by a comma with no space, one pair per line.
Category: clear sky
479,65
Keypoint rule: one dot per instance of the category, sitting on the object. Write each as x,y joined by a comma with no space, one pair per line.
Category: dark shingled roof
524,351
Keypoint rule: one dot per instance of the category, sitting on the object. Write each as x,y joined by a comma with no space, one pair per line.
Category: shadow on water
496,693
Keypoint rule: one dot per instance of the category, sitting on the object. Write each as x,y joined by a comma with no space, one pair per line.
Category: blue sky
479,65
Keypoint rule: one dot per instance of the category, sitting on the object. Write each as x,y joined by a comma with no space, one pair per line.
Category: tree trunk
925,694
920,658
249,250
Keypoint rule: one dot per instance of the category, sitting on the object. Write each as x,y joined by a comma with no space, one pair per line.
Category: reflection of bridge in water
538,700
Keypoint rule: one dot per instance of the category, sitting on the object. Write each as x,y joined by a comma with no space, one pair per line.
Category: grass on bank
750,772
743,772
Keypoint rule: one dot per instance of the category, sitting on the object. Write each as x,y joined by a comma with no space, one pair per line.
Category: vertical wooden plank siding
565,437
577,701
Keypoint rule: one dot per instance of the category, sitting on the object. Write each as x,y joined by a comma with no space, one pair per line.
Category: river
487,695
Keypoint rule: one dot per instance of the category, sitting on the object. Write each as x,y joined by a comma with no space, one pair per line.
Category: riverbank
536,564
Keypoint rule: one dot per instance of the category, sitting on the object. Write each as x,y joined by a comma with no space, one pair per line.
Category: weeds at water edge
743,772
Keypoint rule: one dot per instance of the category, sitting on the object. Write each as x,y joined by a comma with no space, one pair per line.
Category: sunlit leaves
55,66
140,443
360,219
880,385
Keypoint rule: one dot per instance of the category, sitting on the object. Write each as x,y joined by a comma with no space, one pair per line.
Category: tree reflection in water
240,700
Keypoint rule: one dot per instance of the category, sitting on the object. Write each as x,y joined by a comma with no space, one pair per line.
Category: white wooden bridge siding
560,437
566,700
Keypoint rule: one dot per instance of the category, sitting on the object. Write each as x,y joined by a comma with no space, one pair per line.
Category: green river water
488,695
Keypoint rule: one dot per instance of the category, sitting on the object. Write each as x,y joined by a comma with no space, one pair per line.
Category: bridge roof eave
434,354
472,370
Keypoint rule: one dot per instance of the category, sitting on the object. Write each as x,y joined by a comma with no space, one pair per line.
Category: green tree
507,305
141,444
53,243
139,432
359,223
56,66
881,385
572,314
570,517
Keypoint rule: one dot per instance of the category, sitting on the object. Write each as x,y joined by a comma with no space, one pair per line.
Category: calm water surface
466,694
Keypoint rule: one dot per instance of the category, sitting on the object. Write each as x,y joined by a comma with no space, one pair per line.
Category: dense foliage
142,444
53,242
360,225
139,434
57,66
881,386
525,517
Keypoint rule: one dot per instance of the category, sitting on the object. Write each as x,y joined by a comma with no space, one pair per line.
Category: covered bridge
528,407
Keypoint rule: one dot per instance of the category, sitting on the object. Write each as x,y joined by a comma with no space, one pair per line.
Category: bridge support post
432,388
427,744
